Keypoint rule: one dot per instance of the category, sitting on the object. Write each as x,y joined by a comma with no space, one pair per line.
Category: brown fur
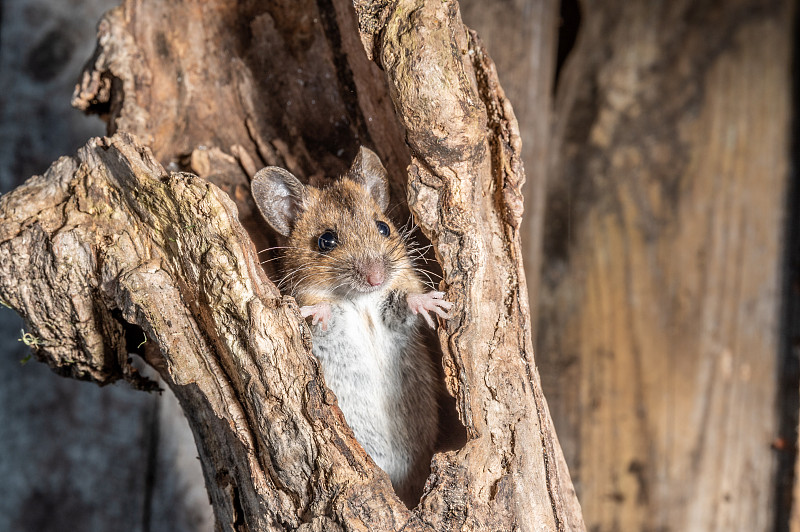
347,209
362,297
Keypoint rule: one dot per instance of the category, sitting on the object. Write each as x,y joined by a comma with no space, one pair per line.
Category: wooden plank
661,287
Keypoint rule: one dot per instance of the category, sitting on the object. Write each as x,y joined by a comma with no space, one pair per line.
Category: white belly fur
385,385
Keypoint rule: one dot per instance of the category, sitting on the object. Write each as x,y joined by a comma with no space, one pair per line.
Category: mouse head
340,241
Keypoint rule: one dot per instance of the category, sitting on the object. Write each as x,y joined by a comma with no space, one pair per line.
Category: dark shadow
569,21
788,378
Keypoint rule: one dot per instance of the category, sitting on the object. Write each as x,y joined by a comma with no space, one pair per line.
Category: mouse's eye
383,228
327,240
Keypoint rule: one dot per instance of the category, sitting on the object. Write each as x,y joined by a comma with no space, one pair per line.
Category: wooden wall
659,332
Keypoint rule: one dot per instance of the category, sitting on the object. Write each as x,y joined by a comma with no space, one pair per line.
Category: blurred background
663,251
74,456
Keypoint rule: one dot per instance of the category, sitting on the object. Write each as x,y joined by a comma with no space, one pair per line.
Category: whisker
291,279
429,282
420,253
341,284
417,247
319,253
393,208
270,260
276,247
430,273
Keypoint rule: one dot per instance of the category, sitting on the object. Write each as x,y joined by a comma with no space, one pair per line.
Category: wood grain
663,262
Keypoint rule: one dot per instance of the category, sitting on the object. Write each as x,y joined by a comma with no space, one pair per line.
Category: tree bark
663,261
522,37
121,237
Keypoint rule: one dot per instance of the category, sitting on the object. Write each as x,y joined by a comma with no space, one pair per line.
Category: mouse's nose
374,273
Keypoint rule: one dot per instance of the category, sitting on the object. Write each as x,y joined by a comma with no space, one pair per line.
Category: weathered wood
464,188
223,89
109,240
521,37
663,261
167,253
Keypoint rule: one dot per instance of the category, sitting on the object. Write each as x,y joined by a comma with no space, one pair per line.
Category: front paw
320,313
432,301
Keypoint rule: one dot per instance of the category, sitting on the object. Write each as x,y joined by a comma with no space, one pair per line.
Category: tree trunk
522,37
121,238
661,299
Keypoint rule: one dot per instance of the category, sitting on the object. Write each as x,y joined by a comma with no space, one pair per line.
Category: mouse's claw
320,313
431,301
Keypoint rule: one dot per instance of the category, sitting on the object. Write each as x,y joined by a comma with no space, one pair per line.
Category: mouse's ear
279,196
368,171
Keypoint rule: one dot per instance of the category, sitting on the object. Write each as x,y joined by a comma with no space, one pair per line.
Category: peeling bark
122,236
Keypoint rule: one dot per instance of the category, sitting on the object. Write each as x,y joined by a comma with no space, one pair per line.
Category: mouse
352,274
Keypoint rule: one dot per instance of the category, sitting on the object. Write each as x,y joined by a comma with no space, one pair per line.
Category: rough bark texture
108,241
521,37
663,273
